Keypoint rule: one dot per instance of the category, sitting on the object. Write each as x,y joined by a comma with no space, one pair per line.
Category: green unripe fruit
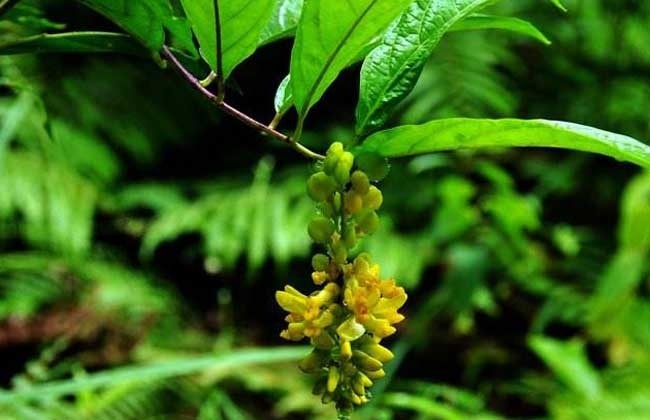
368,221
374,198
320,186
320,262
360,182
321,229
343,168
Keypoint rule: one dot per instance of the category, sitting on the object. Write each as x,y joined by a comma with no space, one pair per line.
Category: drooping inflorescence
354,309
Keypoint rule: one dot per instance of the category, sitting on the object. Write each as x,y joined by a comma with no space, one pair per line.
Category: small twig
219,103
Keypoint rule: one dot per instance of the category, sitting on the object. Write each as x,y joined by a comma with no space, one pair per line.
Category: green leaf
391,70
142,19
559,5
507,23
634,228
330,35
468,133
12,120
568,360
75,42
283,21
241,21
154,371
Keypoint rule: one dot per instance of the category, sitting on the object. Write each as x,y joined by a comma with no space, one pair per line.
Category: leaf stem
209,79
221,87
233,112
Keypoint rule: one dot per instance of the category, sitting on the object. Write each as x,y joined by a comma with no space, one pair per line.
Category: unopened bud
366,362
368,221
320,186
321,229
320,262
333,378
374,198
360,182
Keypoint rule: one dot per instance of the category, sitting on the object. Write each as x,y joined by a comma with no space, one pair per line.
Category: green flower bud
343,168
351,396
360,182
365,380
366,362
314,361
320,386
357,385
320,262
333,378
374,198
323,341
321,229
340,252
377,351
336,201
335,149
327,398
327,209
346,350
377,374
332,158
320,186
350,236
368,221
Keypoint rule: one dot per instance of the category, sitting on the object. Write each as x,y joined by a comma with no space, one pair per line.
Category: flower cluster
355,309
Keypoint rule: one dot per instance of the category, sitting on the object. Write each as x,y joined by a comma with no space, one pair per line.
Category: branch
219,103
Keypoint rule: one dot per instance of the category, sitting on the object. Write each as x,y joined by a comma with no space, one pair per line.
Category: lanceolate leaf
241,23
331,33
559,5
283,21
391,70
507,23
75,42
467,133
218,363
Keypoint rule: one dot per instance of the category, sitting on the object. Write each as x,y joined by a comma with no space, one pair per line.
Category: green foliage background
141,229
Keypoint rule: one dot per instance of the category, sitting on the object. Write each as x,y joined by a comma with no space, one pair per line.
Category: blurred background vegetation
137,224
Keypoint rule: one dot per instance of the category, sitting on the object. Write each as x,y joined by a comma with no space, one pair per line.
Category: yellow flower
373,302
308,315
